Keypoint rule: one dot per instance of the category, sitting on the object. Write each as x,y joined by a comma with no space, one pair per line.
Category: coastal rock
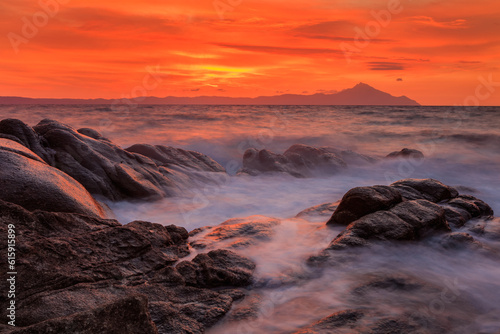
71,263
127,315
103,168
472,205
107,170
92,134
256,162
406,153
361,201
25,179
16,130
408,210
235,233
298,161
217,268
429,189
171,157
313,159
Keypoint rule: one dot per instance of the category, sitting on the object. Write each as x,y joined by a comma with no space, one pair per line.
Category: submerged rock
301,161
406,153
345,319
319,212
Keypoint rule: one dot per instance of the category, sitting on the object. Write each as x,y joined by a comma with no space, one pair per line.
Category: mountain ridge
360,94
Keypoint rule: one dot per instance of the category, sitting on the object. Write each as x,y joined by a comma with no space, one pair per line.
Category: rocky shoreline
81,272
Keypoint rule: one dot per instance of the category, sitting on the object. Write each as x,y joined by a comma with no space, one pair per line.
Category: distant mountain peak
360,94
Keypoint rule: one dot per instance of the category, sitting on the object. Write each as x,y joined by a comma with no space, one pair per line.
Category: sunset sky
433,51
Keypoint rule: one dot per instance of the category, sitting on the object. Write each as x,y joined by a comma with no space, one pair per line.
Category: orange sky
86,49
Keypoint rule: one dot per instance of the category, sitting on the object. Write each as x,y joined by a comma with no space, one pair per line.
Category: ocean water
461,148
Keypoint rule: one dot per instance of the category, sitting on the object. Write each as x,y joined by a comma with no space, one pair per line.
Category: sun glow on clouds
101,49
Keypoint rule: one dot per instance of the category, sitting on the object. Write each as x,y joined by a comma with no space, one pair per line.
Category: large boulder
410,209
103,168
27,180
410,220
16,130
361,201
429,189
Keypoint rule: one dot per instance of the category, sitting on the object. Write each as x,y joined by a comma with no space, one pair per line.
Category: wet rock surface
235,233
70,263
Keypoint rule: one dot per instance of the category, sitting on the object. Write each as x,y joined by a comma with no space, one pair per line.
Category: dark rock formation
301,161
70,263
102,167
105,169
25,179
409,209
16,130
406,153
429,189
171,157
360,201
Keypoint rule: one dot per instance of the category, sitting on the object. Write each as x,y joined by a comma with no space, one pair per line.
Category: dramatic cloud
386,66
96,48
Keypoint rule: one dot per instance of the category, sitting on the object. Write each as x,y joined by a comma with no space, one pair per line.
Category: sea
461,146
